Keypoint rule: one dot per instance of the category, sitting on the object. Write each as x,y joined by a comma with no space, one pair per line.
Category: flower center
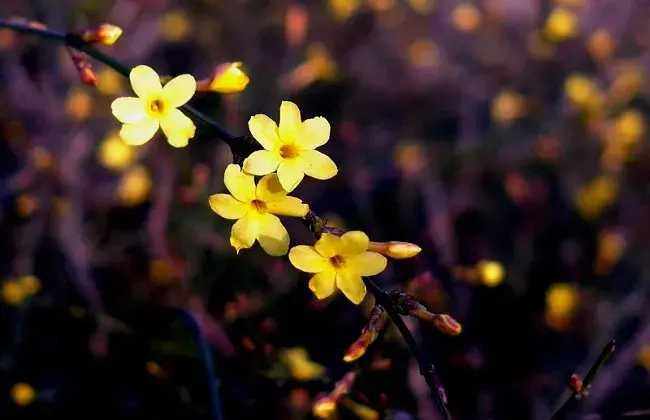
337,261
289,151
157,106
259,206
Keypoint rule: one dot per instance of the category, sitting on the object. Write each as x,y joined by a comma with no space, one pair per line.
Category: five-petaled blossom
255,209
289,148
338,262
156,106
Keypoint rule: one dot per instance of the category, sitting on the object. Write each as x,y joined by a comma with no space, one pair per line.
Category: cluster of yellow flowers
288,154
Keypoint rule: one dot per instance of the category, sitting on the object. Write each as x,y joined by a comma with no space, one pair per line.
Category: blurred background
506,137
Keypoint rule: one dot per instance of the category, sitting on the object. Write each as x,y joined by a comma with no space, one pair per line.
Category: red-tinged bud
407,304
370,332
88,76
108,34
394,249
575,383
446,324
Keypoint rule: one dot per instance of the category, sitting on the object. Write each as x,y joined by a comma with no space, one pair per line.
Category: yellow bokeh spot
423,7
507,107
29,284
161,271
175,26
78,104
423,53
324,408
593,198
300,365
110,82
611,246
600,44
644,356
629,127
582,92
491,272
343,9
561,25
466,17
115,154
26,205
22,394
12,293
134,187
561,299
409,157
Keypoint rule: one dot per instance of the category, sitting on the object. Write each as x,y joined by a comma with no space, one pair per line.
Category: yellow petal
323,284
244,232
128,110
328,245
179,90
290,174
139,133
305,258
226,206
177,127
290,122
261,162
315,133
367,263
351,285
240,184
269,189
265,131
318,165
178,140
354,242
273,236
145,82
288,206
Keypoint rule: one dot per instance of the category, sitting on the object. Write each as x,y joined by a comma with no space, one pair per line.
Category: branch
241,147
581,388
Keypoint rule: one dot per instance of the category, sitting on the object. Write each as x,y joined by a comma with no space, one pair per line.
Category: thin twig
241,147
578,396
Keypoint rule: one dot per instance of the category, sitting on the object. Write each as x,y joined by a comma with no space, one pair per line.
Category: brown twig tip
83,66
376,323
408,305
580,388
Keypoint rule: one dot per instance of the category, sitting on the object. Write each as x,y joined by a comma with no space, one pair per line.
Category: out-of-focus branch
580,388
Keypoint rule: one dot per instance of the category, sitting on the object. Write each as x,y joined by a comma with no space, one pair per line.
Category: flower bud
108,34
370,332
394,249
227,78
361,411
324,407
88,76
575,383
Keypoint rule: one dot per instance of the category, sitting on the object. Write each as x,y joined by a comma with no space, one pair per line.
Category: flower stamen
337,261
157,106
289,151
259,206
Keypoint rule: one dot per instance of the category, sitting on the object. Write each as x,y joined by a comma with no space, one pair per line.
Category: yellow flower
289,149
338,263
155,107
256,210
